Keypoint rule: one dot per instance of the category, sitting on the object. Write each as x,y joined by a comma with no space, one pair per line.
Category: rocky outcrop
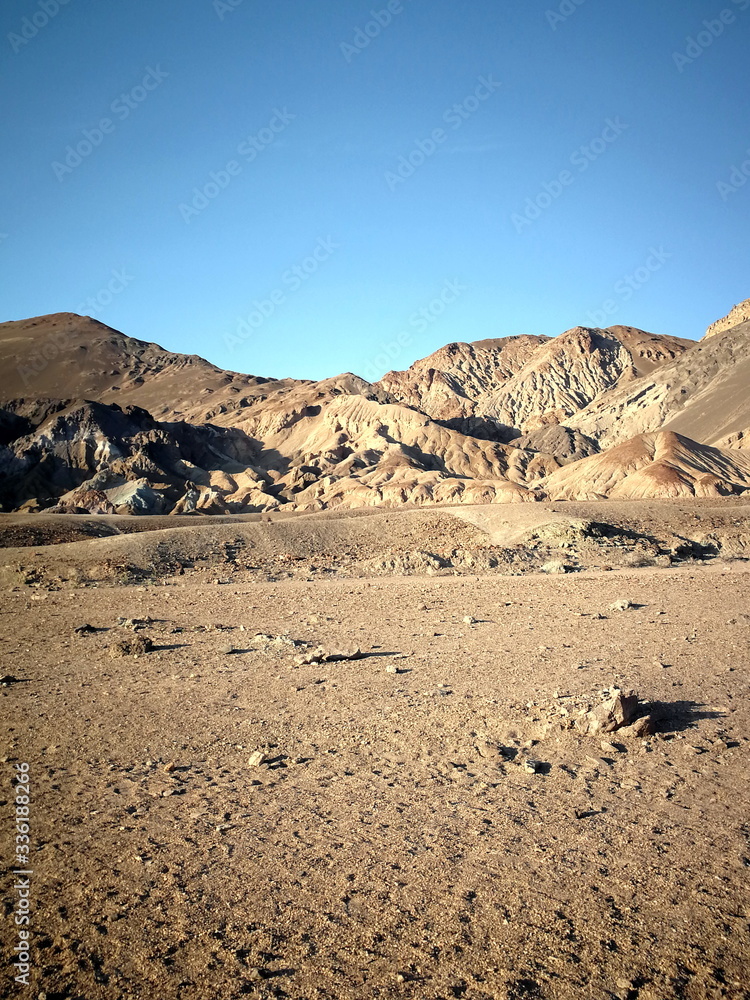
738,314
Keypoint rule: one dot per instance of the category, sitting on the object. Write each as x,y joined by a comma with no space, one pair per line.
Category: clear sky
305,187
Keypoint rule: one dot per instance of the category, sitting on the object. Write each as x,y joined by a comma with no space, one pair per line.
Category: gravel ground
393,841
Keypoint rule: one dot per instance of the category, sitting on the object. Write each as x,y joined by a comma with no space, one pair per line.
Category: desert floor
393,843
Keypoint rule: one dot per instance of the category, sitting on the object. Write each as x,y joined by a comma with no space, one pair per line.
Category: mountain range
94,421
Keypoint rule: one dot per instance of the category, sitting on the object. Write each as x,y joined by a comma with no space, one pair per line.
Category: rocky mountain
519,384
452,384
93,420
702,394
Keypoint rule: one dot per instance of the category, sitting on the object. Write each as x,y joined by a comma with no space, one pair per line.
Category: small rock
256,759
641,727
391,669
469,620
609,747
137,646
7,679
532,766
623,605
84,629
598,761
228,649
355,653
305,659
170,767
617,711
554,566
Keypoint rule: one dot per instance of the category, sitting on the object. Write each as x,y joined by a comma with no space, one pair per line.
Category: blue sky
305,187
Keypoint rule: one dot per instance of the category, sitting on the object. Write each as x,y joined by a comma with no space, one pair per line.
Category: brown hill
65,356
702,394
663,464
346,450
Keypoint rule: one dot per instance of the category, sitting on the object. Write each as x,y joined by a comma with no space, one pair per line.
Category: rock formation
92,420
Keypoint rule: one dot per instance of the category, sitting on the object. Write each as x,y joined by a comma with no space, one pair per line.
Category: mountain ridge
498,420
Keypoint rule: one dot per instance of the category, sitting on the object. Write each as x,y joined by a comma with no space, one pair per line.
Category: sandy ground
393,843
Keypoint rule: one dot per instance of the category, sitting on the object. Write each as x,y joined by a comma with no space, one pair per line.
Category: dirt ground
393,842
62,551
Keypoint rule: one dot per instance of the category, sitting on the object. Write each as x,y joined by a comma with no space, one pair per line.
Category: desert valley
425,688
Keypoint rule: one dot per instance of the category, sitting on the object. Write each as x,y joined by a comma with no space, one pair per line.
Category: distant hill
91,419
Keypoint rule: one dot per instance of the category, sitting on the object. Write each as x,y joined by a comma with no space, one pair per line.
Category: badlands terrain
94,421
429,688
